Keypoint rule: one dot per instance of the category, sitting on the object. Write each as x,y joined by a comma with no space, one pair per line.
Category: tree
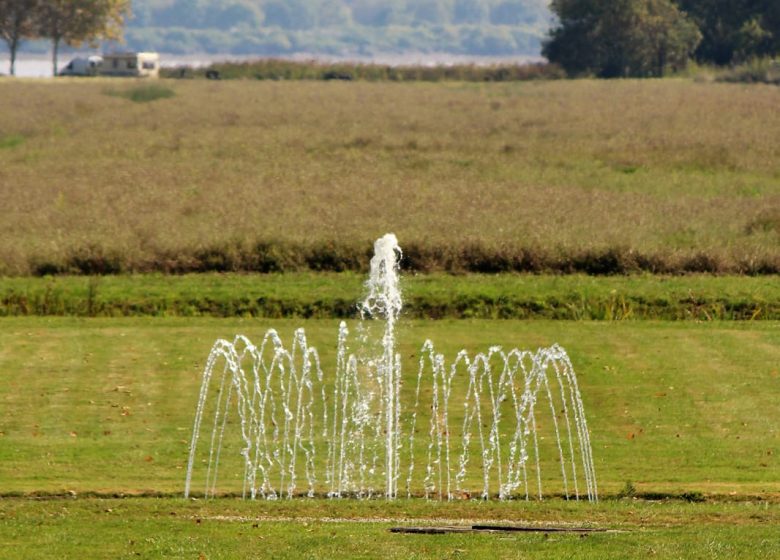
511,12
772,24
469,11
735,29
17,22
181,13
620,38
377,13
426,12
74,22
290,14
233,14
334,13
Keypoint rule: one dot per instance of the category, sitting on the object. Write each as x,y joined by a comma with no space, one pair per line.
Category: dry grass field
665,175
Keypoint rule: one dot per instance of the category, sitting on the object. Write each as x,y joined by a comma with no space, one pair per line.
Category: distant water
39,66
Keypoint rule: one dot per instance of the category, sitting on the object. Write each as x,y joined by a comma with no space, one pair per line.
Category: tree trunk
55,50
12,48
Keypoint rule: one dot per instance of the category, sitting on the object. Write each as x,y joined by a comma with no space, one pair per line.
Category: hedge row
280,69
265,257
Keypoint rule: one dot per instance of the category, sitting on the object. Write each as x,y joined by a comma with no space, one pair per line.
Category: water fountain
484,424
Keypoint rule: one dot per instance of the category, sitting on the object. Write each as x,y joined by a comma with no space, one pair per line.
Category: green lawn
175,528
91,409
106,405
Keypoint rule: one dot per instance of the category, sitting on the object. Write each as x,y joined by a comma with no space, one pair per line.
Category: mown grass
106,405
329,295
175,528
596,177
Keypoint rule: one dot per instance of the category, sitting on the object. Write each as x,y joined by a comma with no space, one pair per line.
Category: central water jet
383,301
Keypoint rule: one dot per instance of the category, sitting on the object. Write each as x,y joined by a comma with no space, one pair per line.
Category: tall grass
758,70
596,177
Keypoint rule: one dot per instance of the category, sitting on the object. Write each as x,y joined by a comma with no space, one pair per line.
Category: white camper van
86,66
133,64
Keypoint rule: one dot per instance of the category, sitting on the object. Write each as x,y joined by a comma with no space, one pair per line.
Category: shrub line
280,69
330,256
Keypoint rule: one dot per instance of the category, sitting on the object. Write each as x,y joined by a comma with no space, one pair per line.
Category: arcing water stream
484,426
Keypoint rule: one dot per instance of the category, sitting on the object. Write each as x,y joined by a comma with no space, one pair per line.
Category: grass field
95,408
106,405
586,176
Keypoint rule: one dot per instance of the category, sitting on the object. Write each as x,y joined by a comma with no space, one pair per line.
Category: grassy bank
106,405
566,176
326,295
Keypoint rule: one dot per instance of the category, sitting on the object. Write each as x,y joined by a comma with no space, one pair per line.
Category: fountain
484,425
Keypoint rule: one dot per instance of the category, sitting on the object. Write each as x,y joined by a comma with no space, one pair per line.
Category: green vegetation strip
227,529
331,295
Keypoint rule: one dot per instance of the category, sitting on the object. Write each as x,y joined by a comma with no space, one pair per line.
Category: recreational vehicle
132,64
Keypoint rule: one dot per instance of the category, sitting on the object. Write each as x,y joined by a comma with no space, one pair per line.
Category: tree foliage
17,23
74,22
621,38
735,30
70,22
649,37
